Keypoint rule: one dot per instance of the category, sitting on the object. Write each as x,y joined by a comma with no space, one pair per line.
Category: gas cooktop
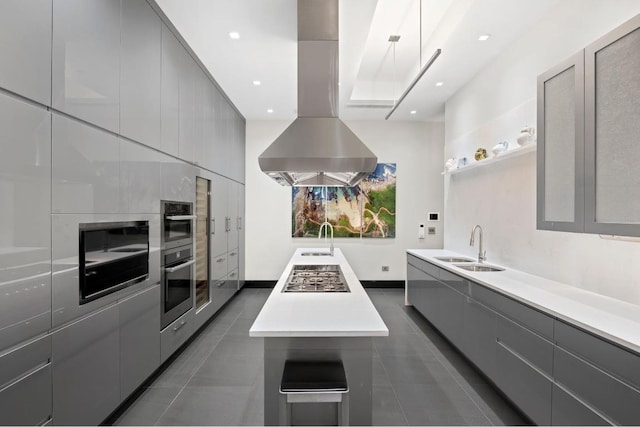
316,278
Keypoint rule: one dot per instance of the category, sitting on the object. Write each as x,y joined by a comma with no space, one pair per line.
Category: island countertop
317,314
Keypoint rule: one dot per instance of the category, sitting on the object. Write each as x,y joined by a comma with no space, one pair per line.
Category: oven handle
180,266
180,217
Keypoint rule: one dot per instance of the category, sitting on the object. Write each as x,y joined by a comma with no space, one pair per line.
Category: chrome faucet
328,224
482,255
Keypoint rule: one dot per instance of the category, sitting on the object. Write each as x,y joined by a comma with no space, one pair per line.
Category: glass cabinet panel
203,192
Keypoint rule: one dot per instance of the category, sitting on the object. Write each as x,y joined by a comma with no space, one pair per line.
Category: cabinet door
219,217
139,338
241,234
186,144
86,369
86,60
561,147
26,46
479,341
221,142
170,92
612,81
25,221
140,73
232,212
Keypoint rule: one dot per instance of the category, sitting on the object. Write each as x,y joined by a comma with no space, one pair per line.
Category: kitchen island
315,326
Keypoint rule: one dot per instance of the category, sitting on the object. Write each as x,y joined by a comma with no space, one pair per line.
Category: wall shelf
515,152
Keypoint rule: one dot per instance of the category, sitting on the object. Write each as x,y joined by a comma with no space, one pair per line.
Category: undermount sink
315,254
453,259
479,267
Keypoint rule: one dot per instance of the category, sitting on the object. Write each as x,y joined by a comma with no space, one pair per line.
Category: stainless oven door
177,290
178,230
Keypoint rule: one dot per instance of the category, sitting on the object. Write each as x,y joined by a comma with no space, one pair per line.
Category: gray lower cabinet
177,333
86,377
25,384
525,362
568,410
480,336
139,338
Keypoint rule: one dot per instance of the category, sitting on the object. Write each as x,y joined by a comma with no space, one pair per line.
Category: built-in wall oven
112,256
177,273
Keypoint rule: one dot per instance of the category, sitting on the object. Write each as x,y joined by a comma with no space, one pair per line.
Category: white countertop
613,319
314,314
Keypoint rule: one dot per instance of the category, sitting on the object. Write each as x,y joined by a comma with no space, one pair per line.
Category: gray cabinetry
25,226
139,338
568,410
561,146
612,113
187,127
177,333
588,122
86,60
25,47
86,377
25,383
140,73
480,336
170,92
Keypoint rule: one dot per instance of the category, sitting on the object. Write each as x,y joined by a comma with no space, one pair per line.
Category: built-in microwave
112,256
178,220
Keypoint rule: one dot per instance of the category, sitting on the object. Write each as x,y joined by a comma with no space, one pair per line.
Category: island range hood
317,149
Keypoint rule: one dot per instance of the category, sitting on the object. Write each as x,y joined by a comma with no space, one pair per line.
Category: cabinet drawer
176,334
219,266
611,358
233,260
27,401
617,401
529,346
528,317
525,386
23,359
566,410
424,266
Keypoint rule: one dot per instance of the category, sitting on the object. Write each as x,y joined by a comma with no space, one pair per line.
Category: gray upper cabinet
25,46
170,92
140,73
561,146
612,110
588,122
188,75
86,60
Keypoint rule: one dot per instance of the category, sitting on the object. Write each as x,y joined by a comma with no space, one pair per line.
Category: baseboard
365,283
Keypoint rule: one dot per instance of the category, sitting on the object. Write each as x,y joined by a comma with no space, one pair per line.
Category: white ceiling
370,79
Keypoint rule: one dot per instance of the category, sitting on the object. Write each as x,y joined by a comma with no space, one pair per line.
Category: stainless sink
453,259
315,254
479,267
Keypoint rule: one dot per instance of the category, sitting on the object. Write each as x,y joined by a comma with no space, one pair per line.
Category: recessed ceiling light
269,110
412,112
439,84
257,82
484,37
234,35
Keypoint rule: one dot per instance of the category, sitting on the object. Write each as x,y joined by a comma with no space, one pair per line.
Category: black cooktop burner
316,278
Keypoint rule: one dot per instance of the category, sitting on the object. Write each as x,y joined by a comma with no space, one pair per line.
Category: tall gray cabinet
588,125
104,111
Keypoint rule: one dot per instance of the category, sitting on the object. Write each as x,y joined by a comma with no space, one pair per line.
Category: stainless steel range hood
317,148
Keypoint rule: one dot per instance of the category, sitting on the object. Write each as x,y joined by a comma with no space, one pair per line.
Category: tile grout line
395,394
196,370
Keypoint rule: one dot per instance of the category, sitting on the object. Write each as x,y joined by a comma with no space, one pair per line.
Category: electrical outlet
432,230
385,268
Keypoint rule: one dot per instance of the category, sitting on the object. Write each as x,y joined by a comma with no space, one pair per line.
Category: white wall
502,197
416,148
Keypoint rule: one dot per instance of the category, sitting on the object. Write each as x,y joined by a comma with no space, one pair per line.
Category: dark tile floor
418,378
